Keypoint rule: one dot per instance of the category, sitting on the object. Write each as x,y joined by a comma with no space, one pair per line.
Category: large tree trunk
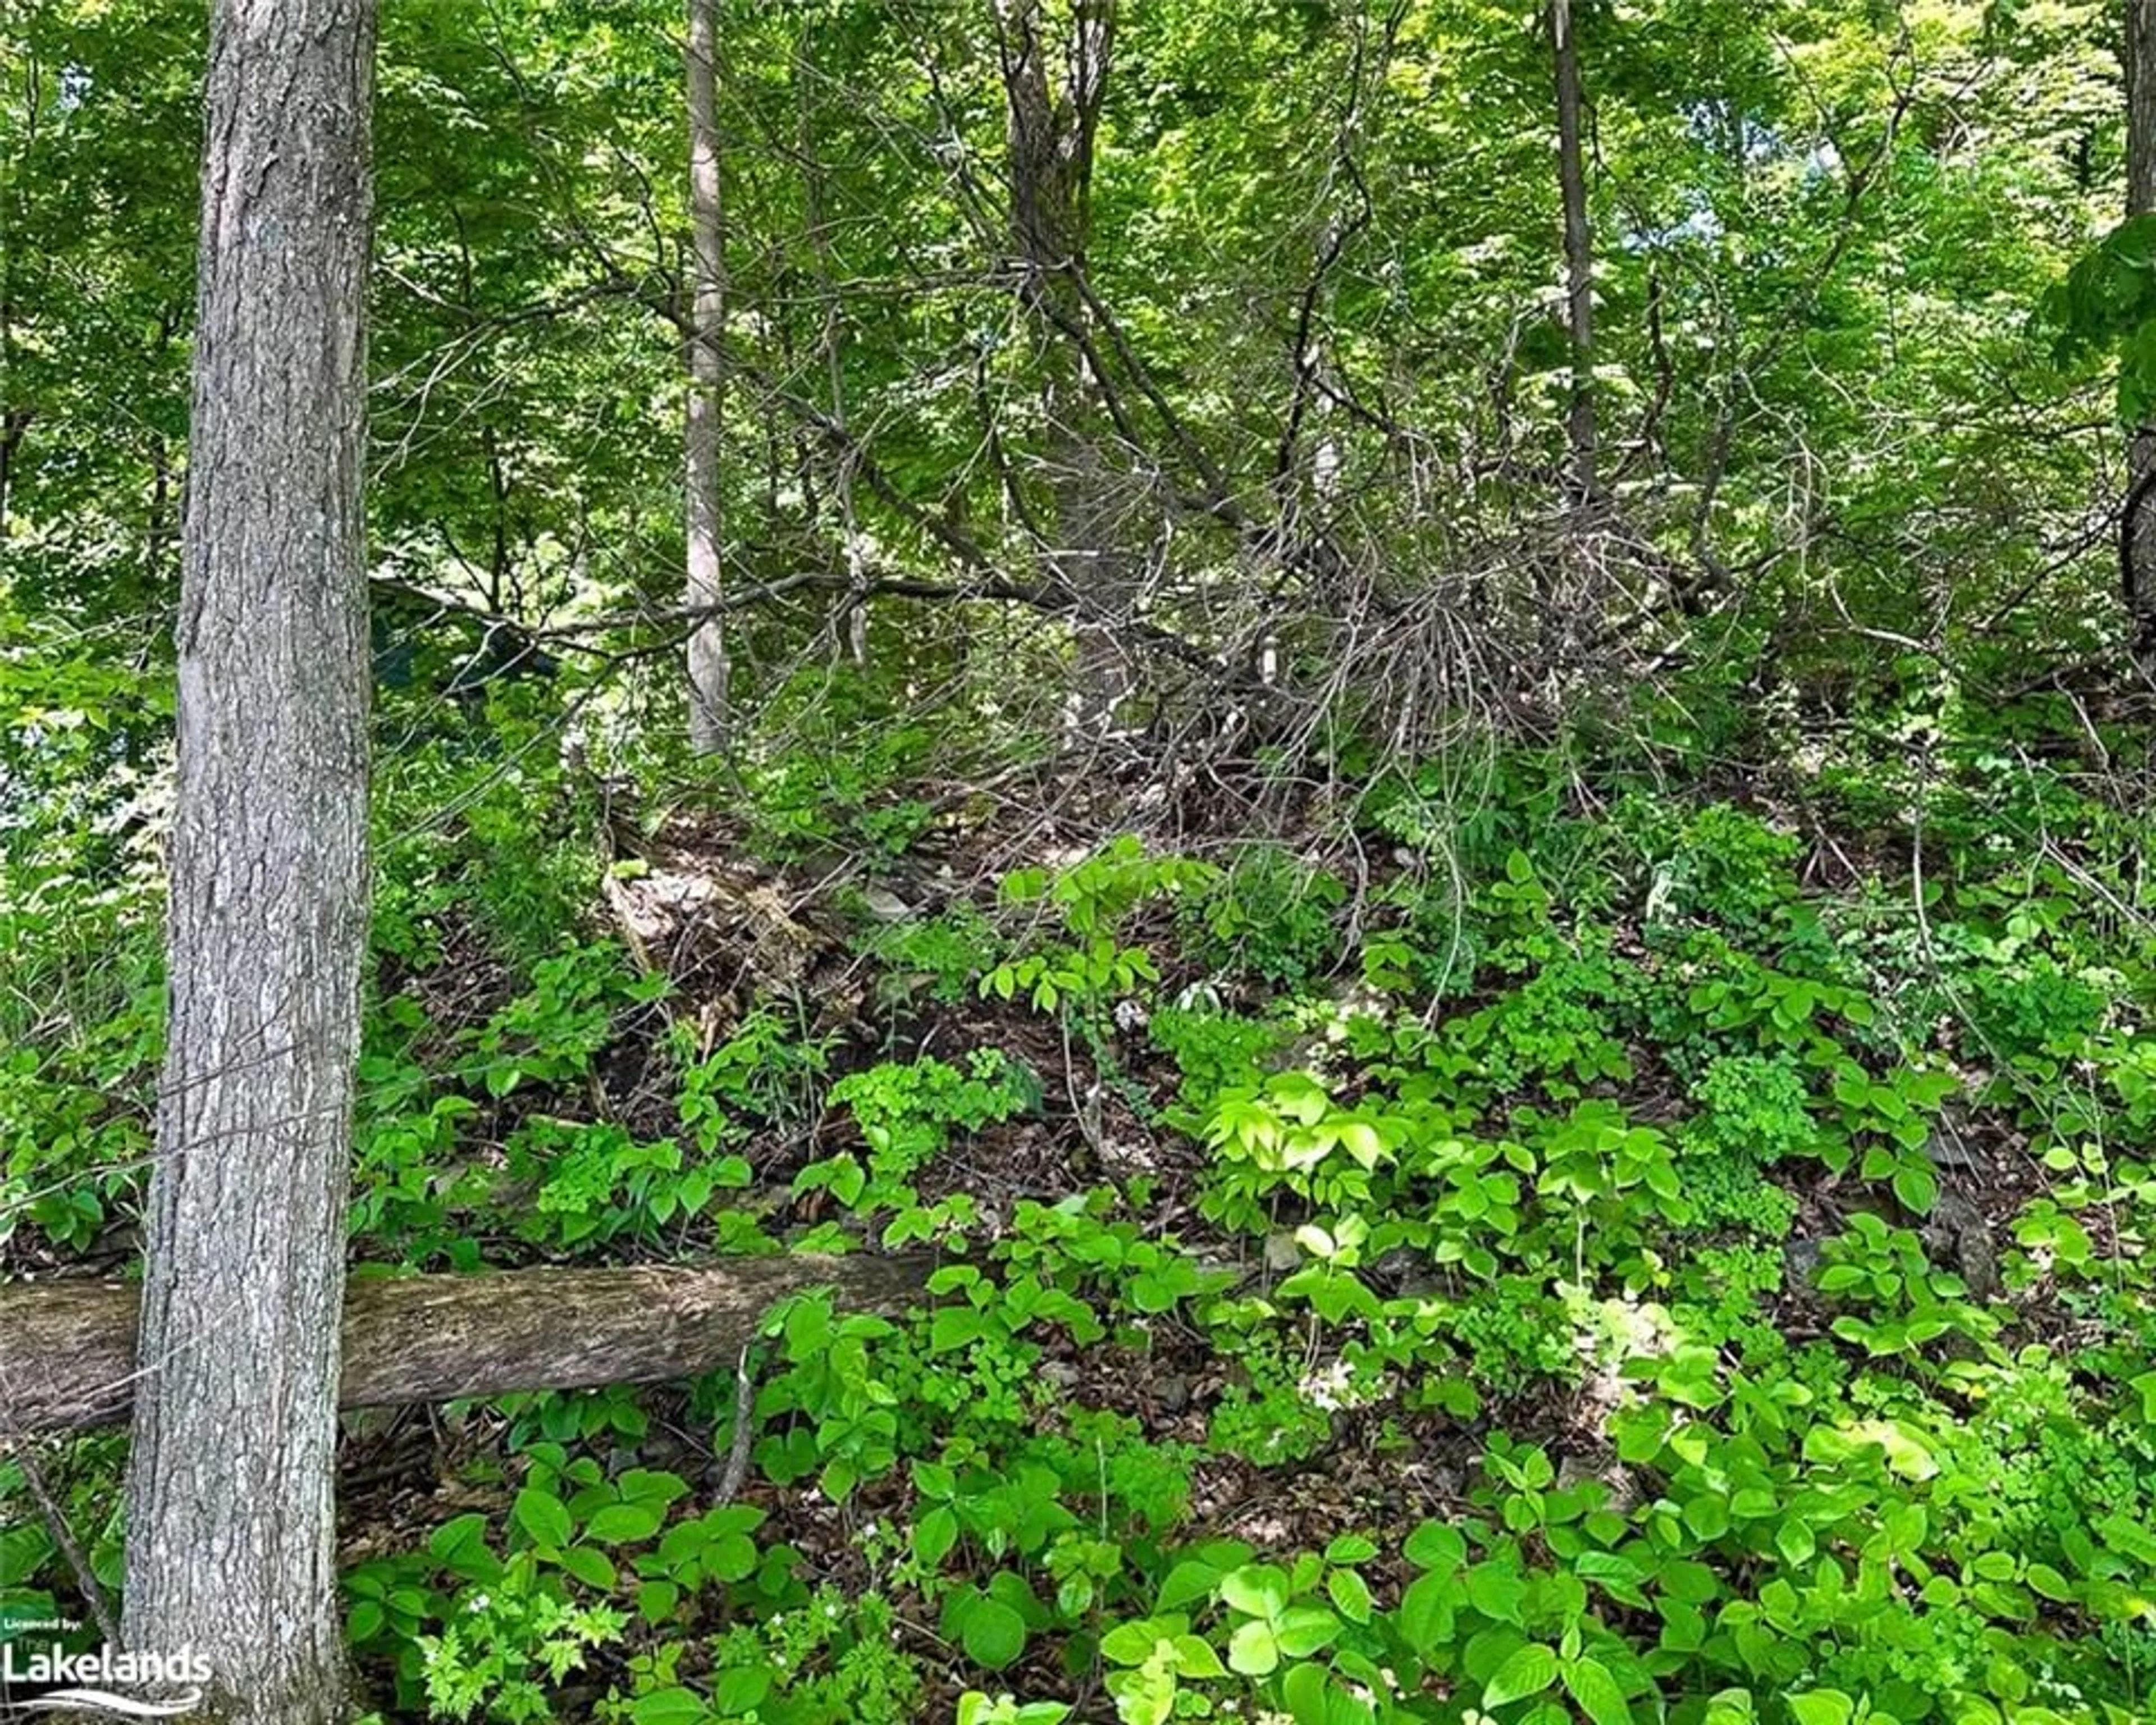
230,1547
70,1357
709,673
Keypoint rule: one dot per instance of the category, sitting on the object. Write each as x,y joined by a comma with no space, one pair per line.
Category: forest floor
1685,1252
731,938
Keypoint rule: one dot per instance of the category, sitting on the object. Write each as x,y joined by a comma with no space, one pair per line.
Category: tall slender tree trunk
1579,257
2138,59
709,671
1050,125
231,1544
15,414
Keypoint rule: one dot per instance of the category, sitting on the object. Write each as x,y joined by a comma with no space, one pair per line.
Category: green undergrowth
1631,1254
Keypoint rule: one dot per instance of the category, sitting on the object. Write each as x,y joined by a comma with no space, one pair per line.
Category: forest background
1424,724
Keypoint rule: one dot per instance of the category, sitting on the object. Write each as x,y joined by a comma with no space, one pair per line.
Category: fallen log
67,1348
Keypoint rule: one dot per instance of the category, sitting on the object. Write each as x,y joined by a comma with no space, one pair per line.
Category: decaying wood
67,1349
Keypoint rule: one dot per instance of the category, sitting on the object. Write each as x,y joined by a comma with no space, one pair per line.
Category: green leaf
650,1486
591,1568
732,1557
1351,1594
2123,1535
1194,1657
1303,1630
2047,1582
1821,1707
1260,1589
992,1633
1130,1643
1681,1578
1917,1186
742,1689
1303,1689
1707,1517
1599,1695
623,1524
1495,1592
1252,1650
459,1546
808,1328
455,1537
543,1517
670,1707
1360,1140
1187,1582
1437,1546
1425,1616
954,1327
934,1535
1530,1670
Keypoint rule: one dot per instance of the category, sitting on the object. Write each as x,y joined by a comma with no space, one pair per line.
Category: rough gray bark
1579,254
70,1359
231,1548
709,671
2139,57
1050,125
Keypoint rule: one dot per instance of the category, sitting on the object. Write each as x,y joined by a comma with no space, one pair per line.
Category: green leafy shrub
1758,1105
1727,866
1092,900
907,1113
1270,915
832,1659
1798,1484
845,775
950,950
